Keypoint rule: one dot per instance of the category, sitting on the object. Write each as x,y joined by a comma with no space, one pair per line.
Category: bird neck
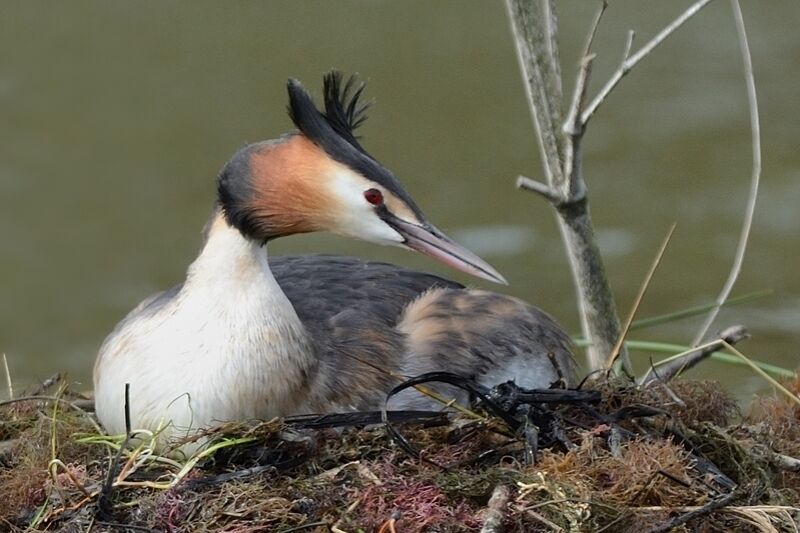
229,258
231,278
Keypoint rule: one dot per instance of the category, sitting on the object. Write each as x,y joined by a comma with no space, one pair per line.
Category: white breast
228,346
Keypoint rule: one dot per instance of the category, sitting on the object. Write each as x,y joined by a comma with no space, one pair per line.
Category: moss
775,423
270,477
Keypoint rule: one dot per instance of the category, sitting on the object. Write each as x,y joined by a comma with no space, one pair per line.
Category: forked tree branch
534,26
574,125
630,61
574,187
535,30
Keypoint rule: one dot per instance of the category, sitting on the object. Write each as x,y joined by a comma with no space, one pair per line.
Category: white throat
229,261
228,346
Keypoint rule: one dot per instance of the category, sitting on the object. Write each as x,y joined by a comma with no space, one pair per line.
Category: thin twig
540,188
679,350
574,188
612,357
127,410
542,520
305,526
667,370
573,125
628,45
755,178
123,527
712,505
52,469
74,406
54,442
8,378
629,62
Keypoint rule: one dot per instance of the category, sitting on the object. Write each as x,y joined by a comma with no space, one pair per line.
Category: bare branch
496,510
534,33
784,462
573,125
538,187
755,178
590,40
628,45
598,315
551,22
629,62
574,188
667,371
533,25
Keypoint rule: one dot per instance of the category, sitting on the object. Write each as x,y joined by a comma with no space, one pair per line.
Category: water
116,116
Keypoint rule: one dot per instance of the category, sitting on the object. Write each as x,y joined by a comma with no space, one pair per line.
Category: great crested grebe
244,337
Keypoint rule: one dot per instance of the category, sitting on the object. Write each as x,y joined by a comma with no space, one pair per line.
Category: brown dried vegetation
635,464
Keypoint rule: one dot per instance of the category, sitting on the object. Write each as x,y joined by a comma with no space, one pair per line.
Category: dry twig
535,32
612,357
496,510
673,367
630,61
755,178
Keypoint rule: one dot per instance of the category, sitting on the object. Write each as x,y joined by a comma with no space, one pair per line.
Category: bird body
250,337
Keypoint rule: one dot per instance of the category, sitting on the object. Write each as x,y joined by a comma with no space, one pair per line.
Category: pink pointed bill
428,240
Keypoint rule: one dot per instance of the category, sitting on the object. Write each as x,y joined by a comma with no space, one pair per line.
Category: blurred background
116,116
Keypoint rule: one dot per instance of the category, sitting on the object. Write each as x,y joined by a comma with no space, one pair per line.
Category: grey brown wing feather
351,308
375,323
321,286
484,336
494,337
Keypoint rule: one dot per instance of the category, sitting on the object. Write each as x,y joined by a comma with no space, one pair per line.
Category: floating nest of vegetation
607,457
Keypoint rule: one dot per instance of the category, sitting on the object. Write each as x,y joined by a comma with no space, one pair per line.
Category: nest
608,457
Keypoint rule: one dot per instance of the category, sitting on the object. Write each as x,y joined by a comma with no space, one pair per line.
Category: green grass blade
697,310
663,347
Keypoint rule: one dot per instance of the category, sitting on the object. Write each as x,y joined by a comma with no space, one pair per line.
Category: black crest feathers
344,112
333,130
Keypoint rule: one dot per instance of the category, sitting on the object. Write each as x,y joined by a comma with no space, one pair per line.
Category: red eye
373,196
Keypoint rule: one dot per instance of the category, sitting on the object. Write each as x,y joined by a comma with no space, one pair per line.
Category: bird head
320,178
